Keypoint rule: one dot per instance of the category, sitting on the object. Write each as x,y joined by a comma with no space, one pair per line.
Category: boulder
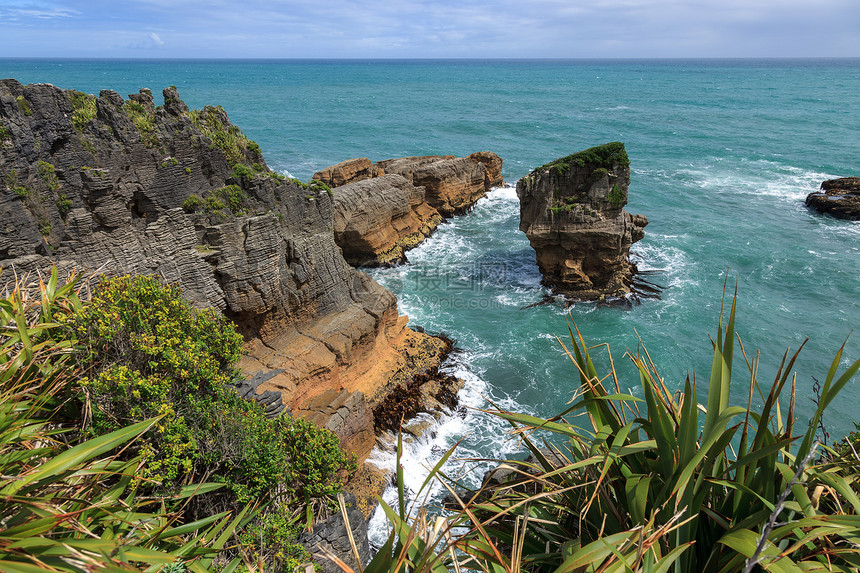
348,171
376,220
839,198
572,212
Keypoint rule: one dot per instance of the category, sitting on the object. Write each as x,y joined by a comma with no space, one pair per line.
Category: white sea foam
482,436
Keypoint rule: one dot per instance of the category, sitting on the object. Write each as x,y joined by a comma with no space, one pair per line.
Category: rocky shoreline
118,185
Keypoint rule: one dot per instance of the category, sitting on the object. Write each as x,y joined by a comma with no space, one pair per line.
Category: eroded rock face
452,184
124,186
572,212
377,220
839,197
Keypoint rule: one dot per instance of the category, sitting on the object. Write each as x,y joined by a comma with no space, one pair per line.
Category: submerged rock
572,212
840,198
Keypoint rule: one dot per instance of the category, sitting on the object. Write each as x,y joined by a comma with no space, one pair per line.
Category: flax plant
663,483
67,506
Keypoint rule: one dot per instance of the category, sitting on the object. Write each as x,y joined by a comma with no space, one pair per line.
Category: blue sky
425,29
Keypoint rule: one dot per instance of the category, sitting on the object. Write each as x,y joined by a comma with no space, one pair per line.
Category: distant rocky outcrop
840,198
125,186
377,220
572,212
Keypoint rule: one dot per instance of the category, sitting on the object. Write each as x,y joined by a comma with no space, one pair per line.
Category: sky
430,29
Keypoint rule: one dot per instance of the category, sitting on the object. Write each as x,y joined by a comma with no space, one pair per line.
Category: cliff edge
125,186
572,211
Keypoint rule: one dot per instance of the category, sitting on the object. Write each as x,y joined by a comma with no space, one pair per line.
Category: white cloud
156,39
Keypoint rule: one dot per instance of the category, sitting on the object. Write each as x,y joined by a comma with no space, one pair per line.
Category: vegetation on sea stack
605,156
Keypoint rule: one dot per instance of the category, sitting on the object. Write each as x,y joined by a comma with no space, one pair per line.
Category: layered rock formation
376,220
840,198
124,186
572,212
384,209
451,184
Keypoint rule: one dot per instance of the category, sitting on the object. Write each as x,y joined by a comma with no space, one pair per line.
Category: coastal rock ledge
383,209
839,198
127,186
571,210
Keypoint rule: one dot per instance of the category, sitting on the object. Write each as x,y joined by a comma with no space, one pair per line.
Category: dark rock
840,198
572,212
332,535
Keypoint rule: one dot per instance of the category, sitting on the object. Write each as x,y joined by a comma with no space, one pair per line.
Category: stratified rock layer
124,186
572,212
376,220
452,184
840,198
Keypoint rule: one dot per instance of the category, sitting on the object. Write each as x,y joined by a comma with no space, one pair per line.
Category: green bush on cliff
48,175
212,121
24,105
5,134
148,354
83,108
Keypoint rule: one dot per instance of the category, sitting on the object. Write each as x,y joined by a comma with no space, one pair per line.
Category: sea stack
839,198
572,211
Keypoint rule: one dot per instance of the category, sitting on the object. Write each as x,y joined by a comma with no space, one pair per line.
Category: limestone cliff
120,185
383,209
452,184
376,220
839,197
572,212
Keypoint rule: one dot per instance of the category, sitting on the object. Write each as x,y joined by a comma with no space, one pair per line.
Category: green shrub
316,184
21,191
64,205
48,175
5,134
617,197
192,203
213,122
165,359
84,108
44,227
153,355
70,505
240,171
24,105
605,157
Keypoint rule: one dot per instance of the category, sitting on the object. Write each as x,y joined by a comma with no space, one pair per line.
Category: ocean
722,153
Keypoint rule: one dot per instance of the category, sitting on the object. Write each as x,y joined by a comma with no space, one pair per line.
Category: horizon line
413,59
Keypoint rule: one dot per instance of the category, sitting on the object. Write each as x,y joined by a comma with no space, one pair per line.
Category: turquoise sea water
723,152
